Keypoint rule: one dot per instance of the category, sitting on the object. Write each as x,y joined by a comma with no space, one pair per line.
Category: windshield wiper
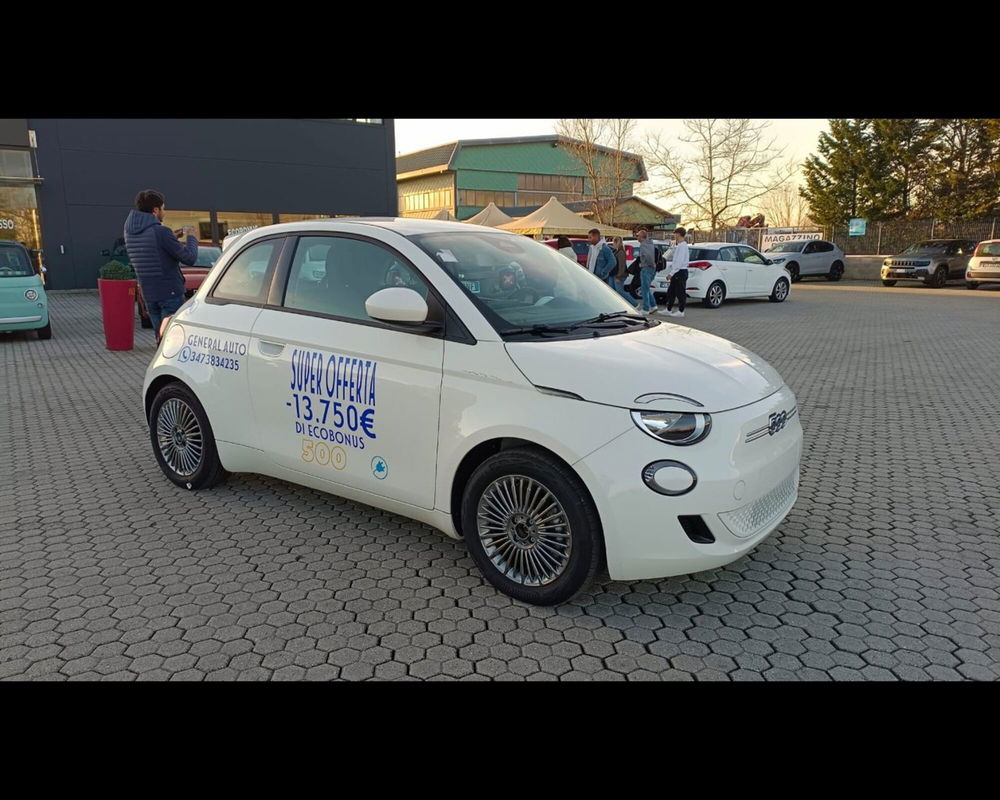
615,315
537,329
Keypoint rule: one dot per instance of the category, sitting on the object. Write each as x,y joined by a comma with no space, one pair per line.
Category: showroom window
231,222
176,219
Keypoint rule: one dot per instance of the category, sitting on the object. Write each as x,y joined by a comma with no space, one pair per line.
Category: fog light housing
668,477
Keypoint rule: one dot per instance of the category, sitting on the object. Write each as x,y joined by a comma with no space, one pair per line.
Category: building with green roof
517,174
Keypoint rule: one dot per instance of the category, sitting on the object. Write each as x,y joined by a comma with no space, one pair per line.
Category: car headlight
30,294
674,428
778,260
887,262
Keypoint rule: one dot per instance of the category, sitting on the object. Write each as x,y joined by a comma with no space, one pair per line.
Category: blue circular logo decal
380,469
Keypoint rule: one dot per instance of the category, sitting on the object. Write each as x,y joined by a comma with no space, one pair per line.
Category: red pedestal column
118,309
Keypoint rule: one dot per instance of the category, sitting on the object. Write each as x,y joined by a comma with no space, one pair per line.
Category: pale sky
798,136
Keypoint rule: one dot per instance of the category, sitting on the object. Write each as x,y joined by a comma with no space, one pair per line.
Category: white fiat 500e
482,383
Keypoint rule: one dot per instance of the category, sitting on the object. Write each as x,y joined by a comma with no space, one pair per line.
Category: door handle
270,348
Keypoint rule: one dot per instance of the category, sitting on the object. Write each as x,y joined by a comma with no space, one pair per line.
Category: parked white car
814,257
720,271
984,266
482,383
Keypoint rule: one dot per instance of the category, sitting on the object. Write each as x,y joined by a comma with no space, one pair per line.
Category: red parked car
580,246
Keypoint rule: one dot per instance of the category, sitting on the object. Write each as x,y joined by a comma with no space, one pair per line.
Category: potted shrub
117,288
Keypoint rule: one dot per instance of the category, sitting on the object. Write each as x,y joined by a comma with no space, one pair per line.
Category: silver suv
932,261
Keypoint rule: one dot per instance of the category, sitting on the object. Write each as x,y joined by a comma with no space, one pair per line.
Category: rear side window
701,254
334,276
244,279
988,249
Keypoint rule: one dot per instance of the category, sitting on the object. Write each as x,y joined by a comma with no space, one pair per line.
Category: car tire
888,283
780,292
660,298
715,295
175,410
46,332
499,516
793,270
939,278
836,271
971,285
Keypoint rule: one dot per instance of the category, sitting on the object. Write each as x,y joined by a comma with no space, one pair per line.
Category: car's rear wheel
888,283
793,270
939,278
971,284
46,332
531,527
780,292
182,439
715,295
836,271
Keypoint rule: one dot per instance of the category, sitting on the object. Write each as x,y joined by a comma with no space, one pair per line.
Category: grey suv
932,261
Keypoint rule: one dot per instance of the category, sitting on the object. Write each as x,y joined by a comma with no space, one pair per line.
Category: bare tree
604,148
784,207
728,165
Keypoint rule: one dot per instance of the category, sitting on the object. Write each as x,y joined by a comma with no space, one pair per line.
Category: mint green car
23,304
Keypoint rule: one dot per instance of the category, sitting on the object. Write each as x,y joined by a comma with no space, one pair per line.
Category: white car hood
641,369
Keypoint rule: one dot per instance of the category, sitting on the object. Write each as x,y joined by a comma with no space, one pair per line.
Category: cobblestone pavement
887,568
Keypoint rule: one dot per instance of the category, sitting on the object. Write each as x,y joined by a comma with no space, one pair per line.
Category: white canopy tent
491,216
554,219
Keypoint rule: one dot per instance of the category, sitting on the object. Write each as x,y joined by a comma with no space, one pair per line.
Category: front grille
908,263
754,517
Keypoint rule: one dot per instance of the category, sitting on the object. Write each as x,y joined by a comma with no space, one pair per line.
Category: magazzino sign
773,236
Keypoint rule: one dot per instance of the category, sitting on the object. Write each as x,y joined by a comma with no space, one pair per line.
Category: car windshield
207,256
929,246
988,249
14,263
521,285
787,247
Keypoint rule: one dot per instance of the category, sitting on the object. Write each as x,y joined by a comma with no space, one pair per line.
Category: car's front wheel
780,292
531,527
793,270
182,439
715,295
46,332
888,283
836,271
939,278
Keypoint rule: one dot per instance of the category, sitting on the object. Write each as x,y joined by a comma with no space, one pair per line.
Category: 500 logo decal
333,397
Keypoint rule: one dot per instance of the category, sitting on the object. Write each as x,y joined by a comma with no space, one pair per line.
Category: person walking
565,246
601,258
677,290
617,277
647,271
154,253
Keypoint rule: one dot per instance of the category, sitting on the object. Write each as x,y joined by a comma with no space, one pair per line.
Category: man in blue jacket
601,258
154,253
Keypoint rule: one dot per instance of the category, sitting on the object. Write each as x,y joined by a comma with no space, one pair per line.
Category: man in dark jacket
154,253
601,258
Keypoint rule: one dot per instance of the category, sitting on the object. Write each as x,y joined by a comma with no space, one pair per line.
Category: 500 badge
322,454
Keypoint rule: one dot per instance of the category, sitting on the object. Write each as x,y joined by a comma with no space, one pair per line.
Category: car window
728,254
988,249
811,247
243,281
748,256
207,256
581,248
335,276
824,247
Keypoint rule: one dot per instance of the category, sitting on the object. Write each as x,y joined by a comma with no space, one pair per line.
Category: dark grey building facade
66,185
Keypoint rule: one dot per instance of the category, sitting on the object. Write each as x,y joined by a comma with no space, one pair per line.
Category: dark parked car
932,261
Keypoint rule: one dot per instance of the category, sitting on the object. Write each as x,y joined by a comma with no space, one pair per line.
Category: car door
336,394
811,260
960,260
759,274
733,271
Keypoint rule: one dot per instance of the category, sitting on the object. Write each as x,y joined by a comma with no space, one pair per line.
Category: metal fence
881,238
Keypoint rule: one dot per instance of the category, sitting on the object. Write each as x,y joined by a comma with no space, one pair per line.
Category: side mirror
768,261
402,309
